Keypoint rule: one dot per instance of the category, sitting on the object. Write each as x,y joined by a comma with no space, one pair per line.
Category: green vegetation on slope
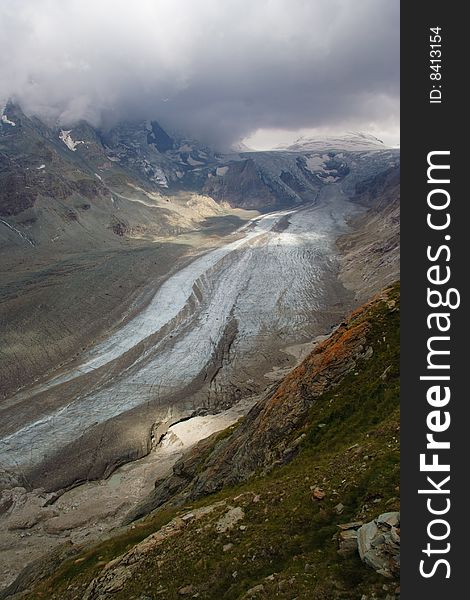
284,546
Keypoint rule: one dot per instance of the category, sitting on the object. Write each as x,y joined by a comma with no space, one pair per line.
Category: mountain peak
159,138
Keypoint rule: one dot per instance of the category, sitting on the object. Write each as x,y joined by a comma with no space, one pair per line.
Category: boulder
389,518
254,591
318,494
347,542
186,590
378,543
230,519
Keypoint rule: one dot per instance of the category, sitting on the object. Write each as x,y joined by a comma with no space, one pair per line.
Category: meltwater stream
268,280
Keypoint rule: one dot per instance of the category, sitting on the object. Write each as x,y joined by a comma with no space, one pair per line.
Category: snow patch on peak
159,177
194,163
4,118
71,144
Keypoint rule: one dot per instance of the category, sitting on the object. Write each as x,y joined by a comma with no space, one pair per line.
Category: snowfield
7,121
68,141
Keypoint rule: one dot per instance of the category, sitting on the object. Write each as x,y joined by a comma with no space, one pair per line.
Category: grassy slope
350,450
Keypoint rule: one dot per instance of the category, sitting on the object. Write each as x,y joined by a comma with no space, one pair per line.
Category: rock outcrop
243,185
377,542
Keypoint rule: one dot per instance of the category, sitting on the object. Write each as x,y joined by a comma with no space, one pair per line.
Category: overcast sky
222,70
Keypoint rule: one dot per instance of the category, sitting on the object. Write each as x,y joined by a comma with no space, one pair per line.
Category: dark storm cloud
218,69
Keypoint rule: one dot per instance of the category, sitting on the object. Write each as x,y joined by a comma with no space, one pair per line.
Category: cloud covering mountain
217,70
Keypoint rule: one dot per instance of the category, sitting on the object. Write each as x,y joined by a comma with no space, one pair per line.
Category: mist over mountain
217,71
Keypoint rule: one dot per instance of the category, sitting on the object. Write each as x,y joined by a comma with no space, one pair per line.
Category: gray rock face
347,542
390,518
378,543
